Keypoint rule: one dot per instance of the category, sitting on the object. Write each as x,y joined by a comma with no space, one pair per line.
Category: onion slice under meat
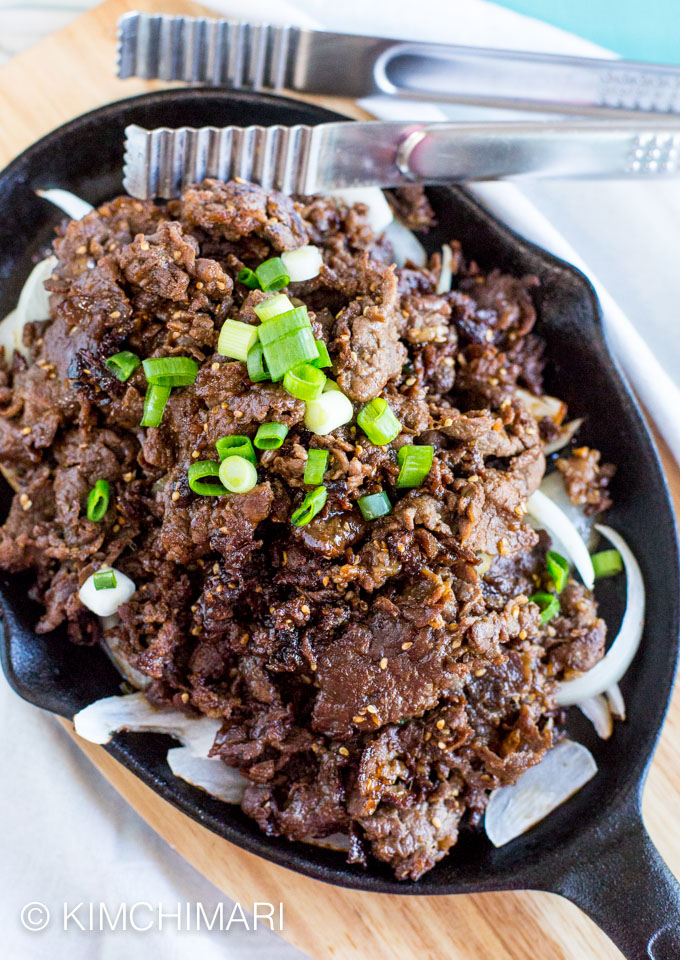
208,773
100,720
566,538
620,655
405,244
541,789
597,710
567,433
33,304
380,213
73,206
446,273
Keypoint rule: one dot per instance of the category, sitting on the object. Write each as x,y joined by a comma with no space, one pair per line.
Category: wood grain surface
67,74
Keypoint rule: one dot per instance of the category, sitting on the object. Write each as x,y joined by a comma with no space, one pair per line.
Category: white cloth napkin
67,835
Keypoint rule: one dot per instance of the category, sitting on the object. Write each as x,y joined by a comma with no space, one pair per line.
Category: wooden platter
65,75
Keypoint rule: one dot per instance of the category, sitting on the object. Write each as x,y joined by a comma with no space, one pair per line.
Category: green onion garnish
236,446
154,405
304,382
197,474
315,468
270,436
273,307
104,580
374,505
284,324
607,563
238,475
323,360
415,463
98,501
248,278
272,274
313,503
123,364
288,352
170,371
257,368
558,568
378,422
236,339
549,604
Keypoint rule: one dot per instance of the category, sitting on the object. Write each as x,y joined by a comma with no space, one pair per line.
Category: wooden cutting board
65,75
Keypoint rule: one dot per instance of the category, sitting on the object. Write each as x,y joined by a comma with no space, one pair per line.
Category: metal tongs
303,159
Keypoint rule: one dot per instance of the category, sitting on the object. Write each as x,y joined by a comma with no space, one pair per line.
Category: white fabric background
66,834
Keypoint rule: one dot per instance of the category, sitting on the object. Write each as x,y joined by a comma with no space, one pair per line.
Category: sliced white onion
73,206
620,655
106,602
379,211
617,704
98,722
543,406
540,790
596,709
332,410
553,487
33,304
446,273
303,263
566,434
208,773
567,540
405,245
112,649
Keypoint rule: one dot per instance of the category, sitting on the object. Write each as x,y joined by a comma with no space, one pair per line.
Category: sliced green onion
323,360
549,604
104,580
238,475
313,503
607,563
235,446
302,264
374,505
315,468
257,368
270,436
170,371
236,339
415,463
98,501
332,410
304,382
154,405
123,364
558,568
378,422
197,476
283,324
272,274
282,355
248,278
273,307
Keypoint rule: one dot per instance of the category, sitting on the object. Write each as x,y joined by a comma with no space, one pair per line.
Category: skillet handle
629,891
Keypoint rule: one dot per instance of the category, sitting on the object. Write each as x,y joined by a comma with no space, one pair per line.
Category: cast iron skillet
594,849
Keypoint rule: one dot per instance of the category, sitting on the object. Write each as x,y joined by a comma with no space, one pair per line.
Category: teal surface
635,29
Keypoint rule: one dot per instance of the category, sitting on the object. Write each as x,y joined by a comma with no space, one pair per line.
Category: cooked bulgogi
360,615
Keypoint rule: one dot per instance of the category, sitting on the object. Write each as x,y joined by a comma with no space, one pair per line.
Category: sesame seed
313,668
480,672
344,751
305,609
81,249
441,745
436,823
215,366
144,246
116,527
358,719
199,285
440,724
26,431
326,581
383,663
448,422
184,698
515,611
522,634
410,381
371,708
407,645
128,476
195,454
115,314
220,285
238,413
